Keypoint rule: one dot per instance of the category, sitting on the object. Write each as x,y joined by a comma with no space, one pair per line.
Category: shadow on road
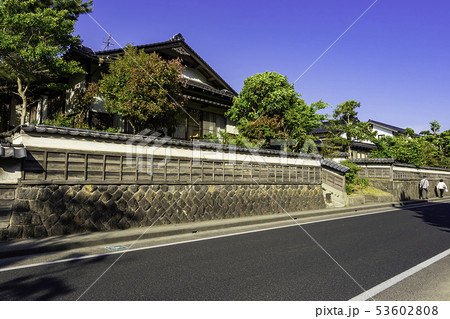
437,217
50,285
32,288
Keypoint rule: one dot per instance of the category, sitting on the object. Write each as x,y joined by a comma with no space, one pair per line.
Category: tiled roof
421,167
176,39
210,89
388,126
391,161
373,161
321,129
334,165
48,129
13,151
363,145
85,51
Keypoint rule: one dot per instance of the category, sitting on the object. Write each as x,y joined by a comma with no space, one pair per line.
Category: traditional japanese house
208,95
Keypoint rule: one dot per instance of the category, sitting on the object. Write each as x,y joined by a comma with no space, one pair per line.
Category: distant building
385,130
208,95
358,149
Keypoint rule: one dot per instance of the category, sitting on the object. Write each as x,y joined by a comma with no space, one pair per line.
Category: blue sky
395,60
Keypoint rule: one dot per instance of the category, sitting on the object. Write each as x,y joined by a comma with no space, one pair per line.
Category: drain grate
116,247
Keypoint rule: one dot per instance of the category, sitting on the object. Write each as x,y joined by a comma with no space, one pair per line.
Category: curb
18,248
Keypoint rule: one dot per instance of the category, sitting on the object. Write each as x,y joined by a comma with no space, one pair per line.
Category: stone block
144,204
139,216
56,230
117,195
104,188
139,195
122,205
20,206
36,206
69,195
150,195
90,188
82,196
40,232
29,193
355,200
133,204
95,196
36,219
96,216
3,234
57,196
15,232
82,215
105,197
21,218
66,219
50,221
133,188
99,206
123,224
28,231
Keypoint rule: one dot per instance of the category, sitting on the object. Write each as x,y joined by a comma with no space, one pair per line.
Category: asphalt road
280,264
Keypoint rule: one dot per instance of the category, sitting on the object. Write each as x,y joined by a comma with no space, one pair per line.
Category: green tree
34,36
352,180
409,132
268,107
144,89
83,98
435,126
417,151
344,127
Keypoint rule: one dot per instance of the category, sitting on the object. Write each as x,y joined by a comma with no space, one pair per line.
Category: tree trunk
22,93
134,128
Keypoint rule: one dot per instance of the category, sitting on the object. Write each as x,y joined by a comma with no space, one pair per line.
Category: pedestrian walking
442,188
423,188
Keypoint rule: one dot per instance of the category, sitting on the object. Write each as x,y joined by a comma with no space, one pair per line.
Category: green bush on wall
351,177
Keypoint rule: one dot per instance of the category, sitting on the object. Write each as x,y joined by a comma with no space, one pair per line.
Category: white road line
369,294
209,238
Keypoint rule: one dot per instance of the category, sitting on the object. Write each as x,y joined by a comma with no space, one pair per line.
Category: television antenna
108,43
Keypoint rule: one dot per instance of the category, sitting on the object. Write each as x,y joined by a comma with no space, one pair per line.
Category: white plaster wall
135,148
421,171
10,171
382,131
231,127
195,75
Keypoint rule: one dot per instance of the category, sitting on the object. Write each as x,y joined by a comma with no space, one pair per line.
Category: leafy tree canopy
430,149
268,107
34,36
435,126
144,89
344,127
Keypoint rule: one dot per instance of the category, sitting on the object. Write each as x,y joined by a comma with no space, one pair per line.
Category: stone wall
409,190
399,179
406,190
49,210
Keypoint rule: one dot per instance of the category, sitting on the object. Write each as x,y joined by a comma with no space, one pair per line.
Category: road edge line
370,293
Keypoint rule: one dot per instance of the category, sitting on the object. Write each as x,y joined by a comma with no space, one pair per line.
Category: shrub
351,177
210,137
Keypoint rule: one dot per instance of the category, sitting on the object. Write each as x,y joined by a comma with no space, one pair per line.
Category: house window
213,123
380,135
